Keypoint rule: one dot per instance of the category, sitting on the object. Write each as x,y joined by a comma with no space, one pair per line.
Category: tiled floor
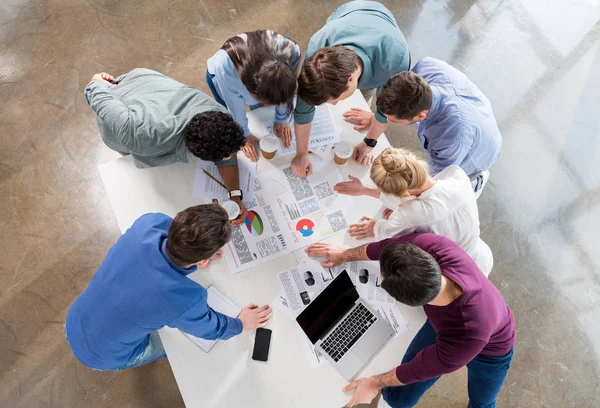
538,61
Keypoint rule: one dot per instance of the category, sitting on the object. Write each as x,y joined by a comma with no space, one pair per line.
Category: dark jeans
211,85
485,376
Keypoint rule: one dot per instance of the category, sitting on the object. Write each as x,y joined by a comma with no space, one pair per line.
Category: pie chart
305,227
254,223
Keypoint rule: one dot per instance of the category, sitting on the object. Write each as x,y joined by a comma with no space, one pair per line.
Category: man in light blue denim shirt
453,118
360,47
142,286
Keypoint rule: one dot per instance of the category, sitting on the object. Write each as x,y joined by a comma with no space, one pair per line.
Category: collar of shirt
367,68
435,107
173,265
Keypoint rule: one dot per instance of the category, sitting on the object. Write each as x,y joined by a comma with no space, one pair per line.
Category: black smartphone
262,342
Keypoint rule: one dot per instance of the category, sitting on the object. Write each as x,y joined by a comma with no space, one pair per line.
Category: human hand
363,230
360,118
365,390
104,78
284,132
386,213
363,154
301,165
249,148
253,317
333,253
354,187
243,211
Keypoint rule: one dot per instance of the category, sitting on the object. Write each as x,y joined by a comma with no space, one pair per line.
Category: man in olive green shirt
157,119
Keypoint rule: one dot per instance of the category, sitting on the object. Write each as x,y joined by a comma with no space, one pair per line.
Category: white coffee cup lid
269,143
232,208
343,149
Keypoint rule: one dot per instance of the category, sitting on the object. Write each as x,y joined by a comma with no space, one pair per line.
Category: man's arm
230,174
366,389
113,113
336,255
303,117
203,322
362,152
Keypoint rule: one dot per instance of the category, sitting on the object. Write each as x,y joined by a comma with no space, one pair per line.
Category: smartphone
262,342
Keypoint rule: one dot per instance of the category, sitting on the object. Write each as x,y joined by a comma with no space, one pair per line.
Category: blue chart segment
254,223
305,227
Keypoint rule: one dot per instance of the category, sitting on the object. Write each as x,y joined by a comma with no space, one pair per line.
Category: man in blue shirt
360,47
453,118
142,285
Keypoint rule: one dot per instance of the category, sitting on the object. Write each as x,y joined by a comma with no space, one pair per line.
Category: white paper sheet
323,131
302,284
393,317
366,277
288,213
205,187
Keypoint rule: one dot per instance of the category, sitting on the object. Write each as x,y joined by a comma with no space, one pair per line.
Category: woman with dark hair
254,69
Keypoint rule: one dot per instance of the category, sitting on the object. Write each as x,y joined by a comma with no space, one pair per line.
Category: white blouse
448,208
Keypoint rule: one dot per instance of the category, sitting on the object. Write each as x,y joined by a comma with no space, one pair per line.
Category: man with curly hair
155,118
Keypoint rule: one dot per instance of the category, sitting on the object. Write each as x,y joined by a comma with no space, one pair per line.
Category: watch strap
370,142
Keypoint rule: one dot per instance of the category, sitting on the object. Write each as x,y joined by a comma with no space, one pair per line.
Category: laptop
347,331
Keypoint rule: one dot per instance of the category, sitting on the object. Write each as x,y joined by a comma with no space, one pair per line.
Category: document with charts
287,213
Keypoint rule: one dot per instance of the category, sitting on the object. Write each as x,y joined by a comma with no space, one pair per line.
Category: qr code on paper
337,221
308,206
323,190
300,186
241,246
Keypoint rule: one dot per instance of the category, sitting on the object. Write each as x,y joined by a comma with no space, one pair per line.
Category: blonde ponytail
396,170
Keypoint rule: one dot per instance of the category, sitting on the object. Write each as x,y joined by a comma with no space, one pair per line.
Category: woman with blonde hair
417,202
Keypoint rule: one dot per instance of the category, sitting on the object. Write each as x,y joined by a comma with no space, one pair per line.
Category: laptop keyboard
339,341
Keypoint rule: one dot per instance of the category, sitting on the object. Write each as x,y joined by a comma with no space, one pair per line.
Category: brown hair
404,96
196,233
326,73
396,170
264,62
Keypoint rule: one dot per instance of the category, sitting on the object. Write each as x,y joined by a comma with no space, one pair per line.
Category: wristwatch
370,142
236,193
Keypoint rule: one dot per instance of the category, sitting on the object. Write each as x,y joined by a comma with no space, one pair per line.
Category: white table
227,376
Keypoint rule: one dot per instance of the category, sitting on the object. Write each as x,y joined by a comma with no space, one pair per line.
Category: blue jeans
485,376
153,351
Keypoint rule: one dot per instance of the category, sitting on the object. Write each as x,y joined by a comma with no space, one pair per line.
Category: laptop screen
327,308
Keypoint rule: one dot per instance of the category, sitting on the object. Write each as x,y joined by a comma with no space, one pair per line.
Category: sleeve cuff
381,118
304,118
232,161
373,251
403,375
237,326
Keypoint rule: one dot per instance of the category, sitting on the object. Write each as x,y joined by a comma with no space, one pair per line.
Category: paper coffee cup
342,152
232,208
268,146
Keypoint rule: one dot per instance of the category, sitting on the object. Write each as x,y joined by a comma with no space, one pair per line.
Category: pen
214,179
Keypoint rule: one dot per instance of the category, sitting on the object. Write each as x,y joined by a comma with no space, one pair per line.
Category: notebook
219,303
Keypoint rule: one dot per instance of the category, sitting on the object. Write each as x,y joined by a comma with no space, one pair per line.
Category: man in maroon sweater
468,322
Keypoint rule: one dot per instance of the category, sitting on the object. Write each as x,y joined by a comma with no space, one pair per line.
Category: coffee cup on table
268,146
342,152
233,209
